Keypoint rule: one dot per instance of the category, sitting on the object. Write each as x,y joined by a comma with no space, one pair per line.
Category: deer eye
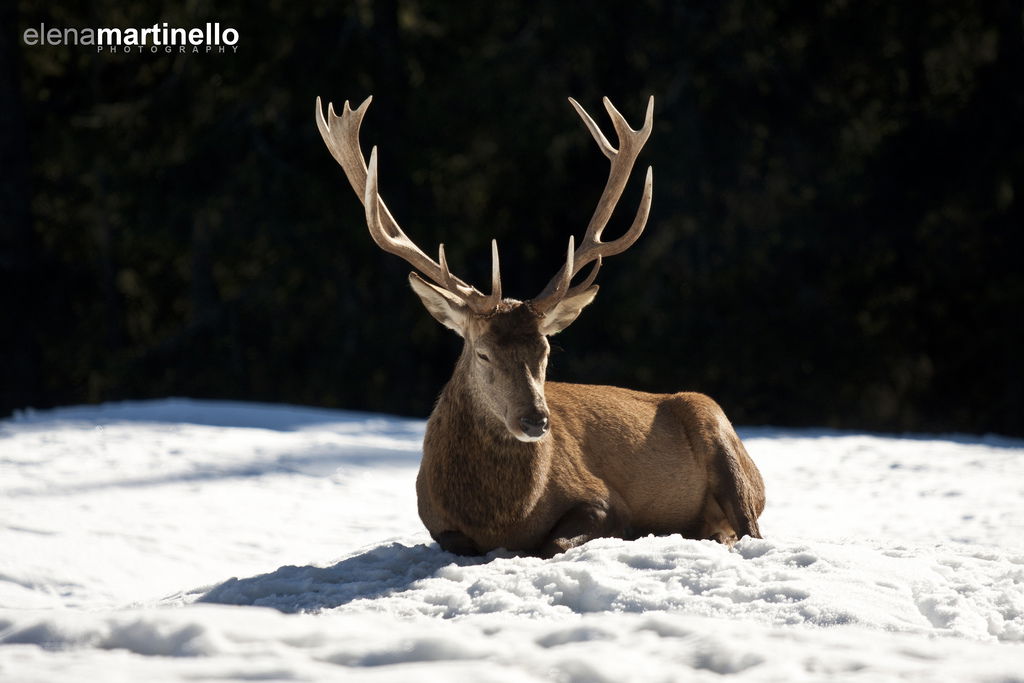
483,356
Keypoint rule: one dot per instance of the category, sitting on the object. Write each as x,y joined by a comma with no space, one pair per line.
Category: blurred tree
19,254
834,241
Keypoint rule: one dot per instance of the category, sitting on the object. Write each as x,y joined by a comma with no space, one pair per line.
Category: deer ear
445,308
566,311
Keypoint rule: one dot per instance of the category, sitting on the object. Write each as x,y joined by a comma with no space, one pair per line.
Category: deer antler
591,248
341,135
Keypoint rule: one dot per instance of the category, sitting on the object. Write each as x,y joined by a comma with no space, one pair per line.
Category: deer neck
484,476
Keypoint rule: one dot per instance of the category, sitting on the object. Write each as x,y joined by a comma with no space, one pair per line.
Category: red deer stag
512,461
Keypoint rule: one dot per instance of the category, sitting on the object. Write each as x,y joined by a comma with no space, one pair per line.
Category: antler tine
595,130
489,303
495,298
449,282
341,135
591,247
564,276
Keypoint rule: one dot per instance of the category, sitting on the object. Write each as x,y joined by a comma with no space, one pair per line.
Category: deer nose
534,424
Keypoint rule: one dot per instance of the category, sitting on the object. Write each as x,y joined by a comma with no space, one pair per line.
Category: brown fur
615,462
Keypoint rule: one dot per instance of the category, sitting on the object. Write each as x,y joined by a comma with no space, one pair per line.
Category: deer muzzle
534,424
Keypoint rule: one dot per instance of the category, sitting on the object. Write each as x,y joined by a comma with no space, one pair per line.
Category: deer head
504,358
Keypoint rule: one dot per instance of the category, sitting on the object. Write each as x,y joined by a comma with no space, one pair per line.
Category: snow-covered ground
122,527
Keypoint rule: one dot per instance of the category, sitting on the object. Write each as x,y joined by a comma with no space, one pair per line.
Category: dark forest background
835,237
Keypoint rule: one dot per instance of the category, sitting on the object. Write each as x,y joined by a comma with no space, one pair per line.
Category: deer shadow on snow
378,572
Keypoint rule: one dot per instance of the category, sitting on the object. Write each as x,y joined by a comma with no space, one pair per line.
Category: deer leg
457,543
580,524
716,526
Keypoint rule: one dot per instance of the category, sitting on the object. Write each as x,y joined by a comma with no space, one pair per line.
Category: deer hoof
457,543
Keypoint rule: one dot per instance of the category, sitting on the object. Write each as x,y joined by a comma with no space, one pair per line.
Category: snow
123,525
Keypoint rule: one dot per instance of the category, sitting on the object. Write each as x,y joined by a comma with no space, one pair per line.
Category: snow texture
122,525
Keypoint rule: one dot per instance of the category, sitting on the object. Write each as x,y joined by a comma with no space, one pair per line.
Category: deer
513,461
